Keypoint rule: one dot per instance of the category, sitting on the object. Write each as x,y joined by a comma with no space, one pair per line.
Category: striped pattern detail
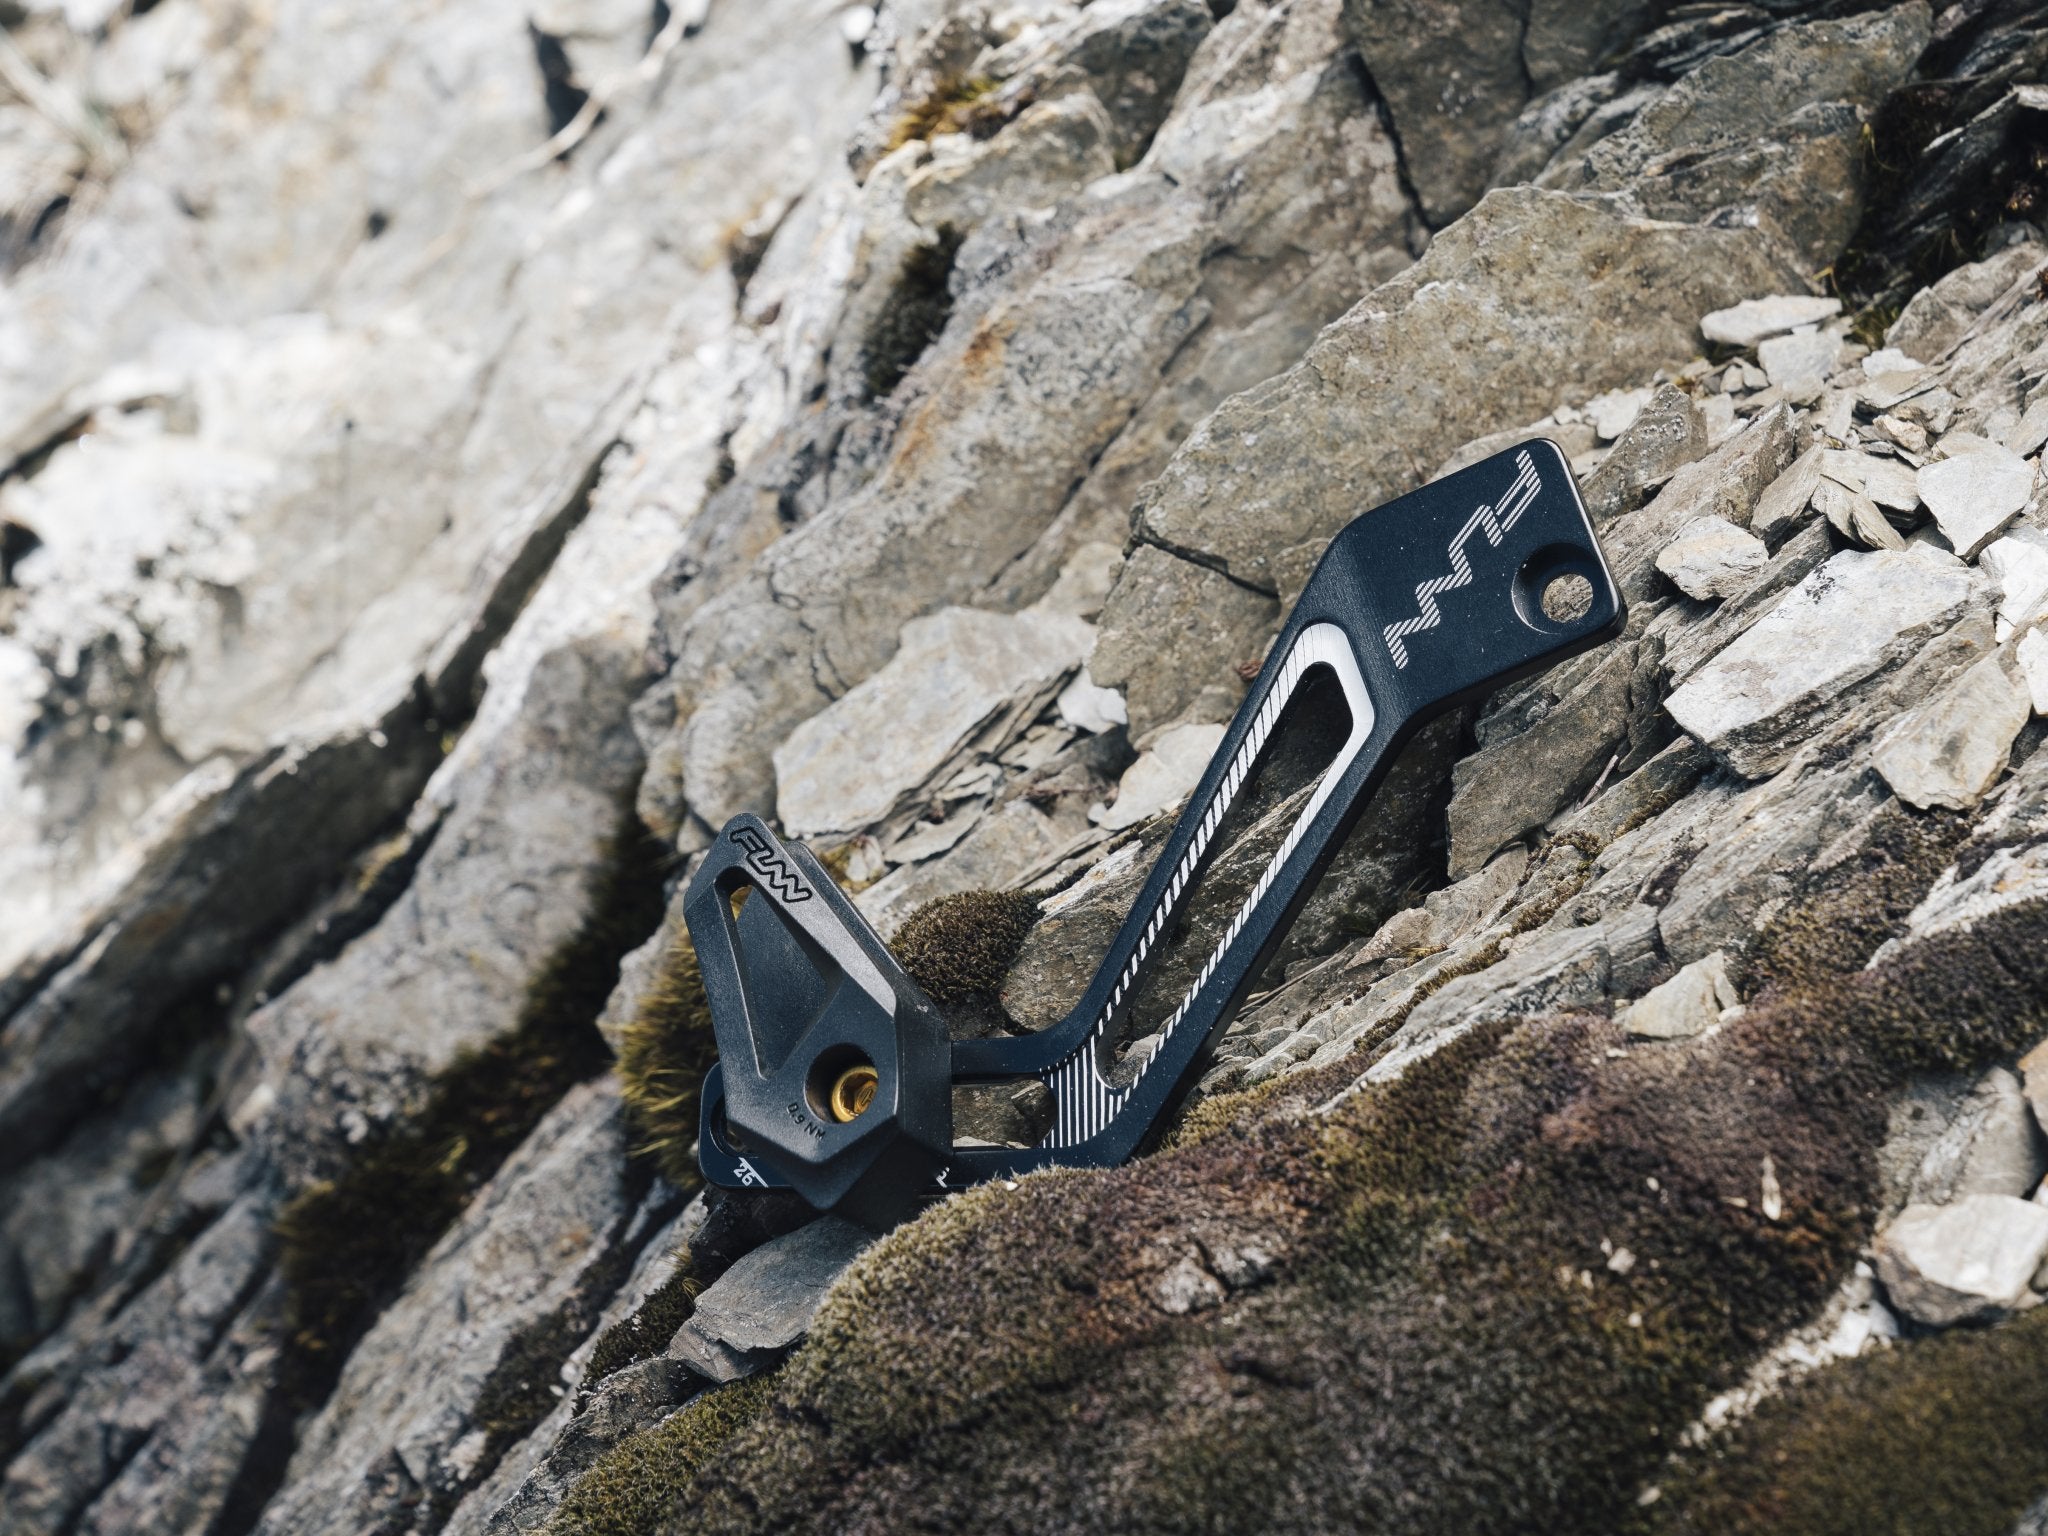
1494,523
1084,1101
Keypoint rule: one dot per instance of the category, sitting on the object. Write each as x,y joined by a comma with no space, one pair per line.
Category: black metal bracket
1429,602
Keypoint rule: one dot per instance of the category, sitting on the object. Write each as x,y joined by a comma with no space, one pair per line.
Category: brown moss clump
1487,1296
664,1053
919,305
958,104
959,948
1940,1435
641,1480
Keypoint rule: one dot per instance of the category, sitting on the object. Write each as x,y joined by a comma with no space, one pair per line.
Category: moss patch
1482,1298
959,948
1939,1435
641,1480
918,307
959,104
647,1332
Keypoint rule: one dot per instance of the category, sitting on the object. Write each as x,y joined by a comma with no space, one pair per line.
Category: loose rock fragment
2032,655
1615,412
1967,1262
1087,706
1711,557
1801,362
2003,1156
1685,1005
1669,432
1887,482
1973,495
1785,502
845,767
1855,516
765,1302
1165,774
1845,621
1747,323
1952,749
2020,567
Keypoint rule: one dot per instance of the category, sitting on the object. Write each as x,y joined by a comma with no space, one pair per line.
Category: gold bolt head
853,1091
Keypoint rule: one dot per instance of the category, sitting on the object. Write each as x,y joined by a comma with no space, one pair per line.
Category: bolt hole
1566,598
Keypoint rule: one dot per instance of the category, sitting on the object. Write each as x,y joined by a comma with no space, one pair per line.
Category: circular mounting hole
848,1086
1557,588
1566,598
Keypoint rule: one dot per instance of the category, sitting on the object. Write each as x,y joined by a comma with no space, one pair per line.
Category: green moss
639,1482
347,1244
1943,1434
648,1331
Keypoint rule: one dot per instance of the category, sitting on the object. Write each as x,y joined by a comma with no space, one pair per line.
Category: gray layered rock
1747,323
1668,432
1705,145
951,674
1256,492
1711,557
402,1422
1991,1146
1853,617
428,440
1688,1004
1082,319
1953,748
762,1305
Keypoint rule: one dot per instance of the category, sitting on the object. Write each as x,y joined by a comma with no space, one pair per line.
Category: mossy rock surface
1485,1297
1945,1434
637,1484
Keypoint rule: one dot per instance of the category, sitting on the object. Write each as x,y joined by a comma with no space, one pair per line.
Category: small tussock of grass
640,1482
959,104
664,1052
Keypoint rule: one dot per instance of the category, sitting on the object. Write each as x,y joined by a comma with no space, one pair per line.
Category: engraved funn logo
1492,520
775,873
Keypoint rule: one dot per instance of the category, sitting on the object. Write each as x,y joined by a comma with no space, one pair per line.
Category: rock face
456,460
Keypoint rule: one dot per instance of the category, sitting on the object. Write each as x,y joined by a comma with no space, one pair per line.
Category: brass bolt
853,1091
